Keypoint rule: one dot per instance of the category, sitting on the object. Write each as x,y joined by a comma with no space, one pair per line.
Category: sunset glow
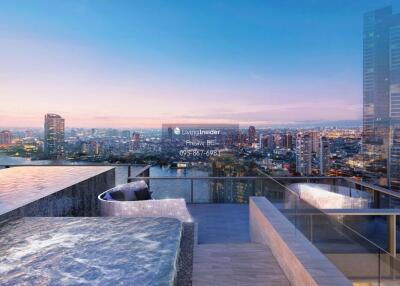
103,65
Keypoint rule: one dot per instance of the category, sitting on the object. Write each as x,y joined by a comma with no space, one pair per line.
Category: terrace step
236,264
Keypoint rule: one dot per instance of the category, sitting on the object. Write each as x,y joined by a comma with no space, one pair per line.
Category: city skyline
239,64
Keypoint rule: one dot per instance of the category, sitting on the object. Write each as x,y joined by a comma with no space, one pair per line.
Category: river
161,188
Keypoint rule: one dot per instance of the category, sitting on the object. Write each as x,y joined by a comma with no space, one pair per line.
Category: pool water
89,251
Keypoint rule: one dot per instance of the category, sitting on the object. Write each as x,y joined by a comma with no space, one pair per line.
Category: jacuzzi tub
90,251
165,208
173,208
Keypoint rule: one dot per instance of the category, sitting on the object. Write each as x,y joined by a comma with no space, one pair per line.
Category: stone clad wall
302,262
77,200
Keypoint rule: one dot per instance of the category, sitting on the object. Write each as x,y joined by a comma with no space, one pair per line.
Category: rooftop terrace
228,252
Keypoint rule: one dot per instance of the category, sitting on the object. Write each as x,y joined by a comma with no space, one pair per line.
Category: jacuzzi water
89,251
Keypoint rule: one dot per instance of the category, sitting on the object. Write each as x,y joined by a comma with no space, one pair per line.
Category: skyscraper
315,141
287,141
261,141
381,97
271,142
135,142
324,156
5,137
252,134
303,154
54,135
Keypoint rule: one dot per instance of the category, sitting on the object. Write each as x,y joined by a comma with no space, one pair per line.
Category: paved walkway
224,255
236,264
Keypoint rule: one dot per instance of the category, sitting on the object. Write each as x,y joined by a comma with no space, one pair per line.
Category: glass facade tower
381,97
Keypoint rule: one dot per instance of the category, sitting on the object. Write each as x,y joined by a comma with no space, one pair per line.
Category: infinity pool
23,185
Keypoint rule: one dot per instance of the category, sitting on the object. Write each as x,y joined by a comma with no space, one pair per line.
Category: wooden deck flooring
236,264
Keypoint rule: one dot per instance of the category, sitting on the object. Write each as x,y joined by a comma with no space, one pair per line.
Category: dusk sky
142,63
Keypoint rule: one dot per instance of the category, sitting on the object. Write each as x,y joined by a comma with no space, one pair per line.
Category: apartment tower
381,97
54,135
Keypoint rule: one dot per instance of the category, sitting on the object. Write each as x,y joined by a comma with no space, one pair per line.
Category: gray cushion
143,194
107,196
129,189
118,196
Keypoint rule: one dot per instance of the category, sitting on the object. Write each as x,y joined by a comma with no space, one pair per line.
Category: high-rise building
54,135
271,142
84,148
278,140
381,97
287,141
315,141
252,134
261,141
5,137
135,142
97,148
303,154
324,156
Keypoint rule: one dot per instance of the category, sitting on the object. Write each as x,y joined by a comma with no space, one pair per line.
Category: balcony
247,227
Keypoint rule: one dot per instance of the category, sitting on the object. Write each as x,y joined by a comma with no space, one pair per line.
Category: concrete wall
77,200
302,263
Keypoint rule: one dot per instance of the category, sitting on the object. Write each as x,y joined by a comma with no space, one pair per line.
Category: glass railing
208,189
337,233
380,206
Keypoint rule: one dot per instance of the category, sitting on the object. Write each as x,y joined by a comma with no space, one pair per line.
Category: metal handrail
349,212
275,179
373,187
347,179
266,177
